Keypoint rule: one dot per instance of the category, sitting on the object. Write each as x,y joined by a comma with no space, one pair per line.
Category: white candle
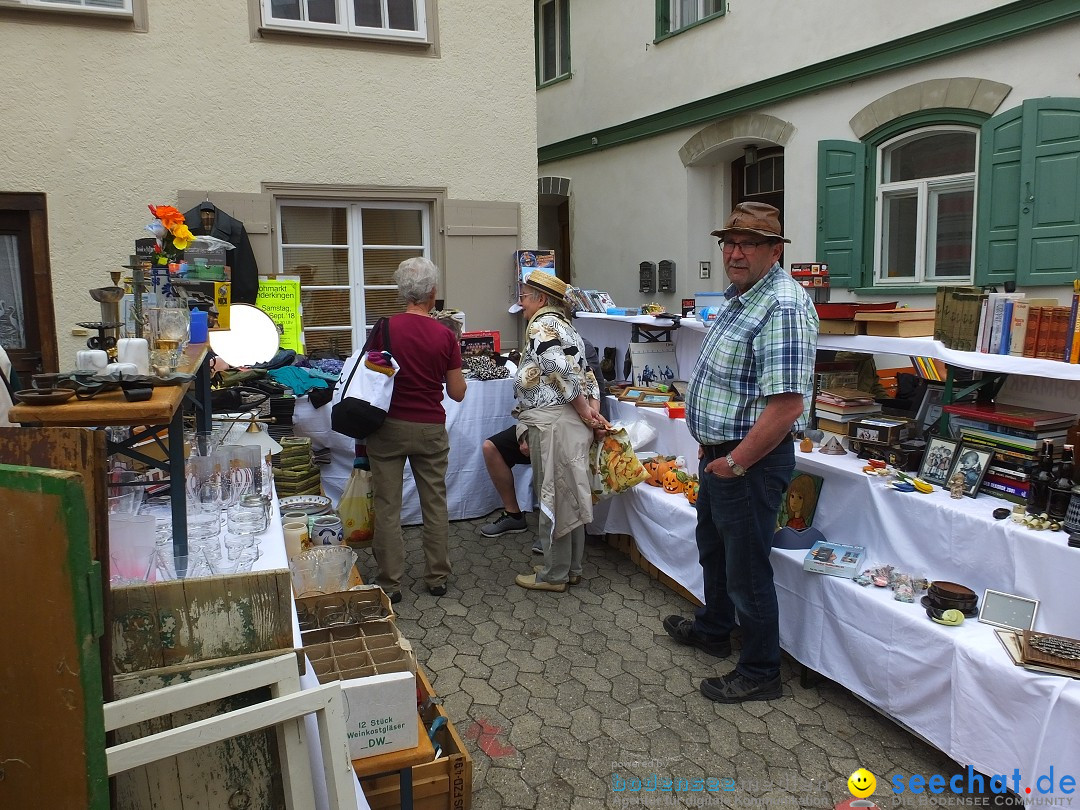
136,351
121,368
91,360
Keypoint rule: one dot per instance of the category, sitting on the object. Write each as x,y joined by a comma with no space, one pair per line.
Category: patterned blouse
553,370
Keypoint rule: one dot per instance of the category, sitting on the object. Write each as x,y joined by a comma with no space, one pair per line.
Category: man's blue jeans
736,518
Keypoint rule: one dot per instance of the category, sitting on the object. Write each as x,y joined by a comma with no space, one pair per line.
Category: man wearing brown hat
750,389
558,400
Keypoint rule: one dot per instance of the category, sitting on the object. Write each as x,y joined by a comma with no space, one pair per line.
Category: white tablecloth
956,687
469,492
272,557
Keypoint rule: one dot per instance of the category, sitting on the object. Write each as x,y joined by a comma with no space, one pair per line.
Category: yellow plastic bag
357,509
613,465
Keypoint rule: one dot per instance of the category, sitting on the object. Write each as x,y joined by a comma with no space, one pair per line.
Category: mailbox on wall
647,277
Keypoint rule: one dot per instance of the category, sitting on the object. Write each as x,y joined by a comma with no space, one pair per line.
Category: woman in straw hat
558,400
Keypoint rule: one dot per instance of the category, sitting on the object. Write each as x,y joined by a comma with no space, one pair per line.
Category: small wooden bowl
44,396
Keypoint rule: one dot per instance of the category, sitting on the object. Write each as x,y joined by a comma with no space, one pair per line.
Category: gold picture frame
655,399
634,393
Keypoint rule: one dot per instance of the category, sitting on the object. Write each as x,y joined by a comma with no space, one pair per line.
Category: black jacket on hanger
245,272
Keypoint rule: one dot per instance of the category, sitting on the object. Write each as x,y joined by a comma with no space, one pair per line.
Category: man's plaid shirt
762,343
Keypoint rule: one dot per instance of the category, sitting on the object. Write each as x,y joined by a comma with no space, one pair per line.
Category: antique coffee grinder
108,328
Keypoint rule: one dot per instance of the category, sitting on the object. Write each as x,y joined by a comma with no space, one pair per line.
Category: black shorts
506,443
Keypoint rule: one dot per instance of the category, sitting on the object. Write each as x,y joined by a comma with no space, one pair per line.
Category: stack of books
835,407
1015,435
590,300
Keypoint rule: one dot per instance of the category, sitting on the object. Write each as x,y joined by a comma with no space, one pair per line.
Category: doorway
27,322
758,176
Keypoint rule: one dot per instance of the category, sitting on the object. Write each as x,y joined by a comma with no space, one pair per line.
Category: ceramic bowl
44,396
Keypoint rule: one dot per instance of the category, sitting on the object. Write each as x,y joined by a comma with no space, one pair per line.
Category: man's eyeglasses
746,247
524,295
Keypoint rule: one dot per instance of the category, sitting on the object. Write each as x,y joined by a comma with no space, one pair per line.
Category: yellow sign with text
280,299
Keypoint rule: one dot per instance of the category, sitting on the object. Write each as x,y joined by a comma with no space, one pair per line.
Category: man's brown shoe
529,581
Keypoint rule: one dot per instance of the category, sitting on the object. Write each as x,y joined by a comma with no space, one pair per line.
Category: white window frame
356,286
345,13
562,11
83,6
926,191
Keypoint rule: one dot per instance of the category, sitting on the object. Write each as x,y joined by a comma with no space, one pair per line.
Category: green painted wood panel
52,729
841,192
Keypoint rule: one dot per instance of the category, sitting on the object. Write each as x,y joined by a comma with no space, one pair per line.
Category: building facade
907,147
345,136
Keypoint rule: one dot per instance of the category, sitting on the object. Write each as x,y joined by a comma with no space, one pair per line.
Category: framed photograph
930,408
657,399
937,460
1006,610
971,462
653,363
634,393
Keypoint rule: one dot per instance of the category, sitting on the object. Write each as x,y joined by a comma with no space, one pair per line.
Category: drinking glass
123,482
132,547
236,543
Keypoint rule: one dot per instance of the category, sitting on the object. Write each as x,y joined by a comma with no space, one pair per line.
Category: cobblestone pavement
560,696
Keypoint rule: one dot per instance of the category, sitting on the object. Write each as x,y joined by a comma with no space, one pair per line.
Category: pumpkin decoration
691,490
656,467
674,480
806,445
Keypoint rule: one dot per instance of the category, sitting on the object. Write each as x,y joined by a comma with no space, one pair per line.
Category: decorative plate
929,605
312,505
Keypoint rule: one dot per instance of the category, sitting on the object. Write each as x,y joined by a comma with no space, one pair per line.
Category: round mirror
251,337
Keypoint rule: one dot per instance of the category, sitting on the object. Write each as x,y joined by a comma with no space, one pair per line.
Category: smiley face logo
861,783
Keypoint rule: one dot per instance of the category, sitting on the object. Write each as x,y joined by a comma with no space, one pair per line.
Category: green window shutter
841,198
1028,223
997,223
1050,192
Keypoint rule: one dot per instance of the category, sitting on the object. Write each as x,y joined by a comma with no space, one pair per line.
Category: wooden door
52,731
27,322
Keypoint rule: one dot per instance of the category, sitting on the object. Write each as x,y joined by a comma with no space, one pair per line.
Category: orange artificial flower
169,216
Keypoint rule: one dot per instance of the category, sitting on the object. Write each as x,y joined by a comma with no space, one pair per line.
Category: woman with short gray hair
415,430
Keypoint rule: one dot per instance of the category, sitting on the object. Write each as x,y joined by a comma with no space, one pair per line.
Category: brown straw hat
547,283
753,217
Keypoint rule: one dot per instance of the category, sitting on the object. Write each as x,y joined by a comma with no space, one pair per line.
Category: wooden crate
166,624
445,784
174,632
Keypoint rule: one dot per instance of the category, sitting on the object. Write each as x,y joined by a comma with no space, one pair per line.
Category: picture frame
633,393
800,502
930,407
972,461
1008,610
653,363
655,399
937,460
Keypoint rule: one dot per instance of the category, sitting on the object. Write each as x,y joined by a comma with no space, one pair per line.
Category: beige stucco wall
105,120
621,73
638,202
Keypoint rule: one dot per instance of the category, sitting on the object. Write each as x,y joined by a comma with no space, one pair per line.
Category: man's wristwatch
736,468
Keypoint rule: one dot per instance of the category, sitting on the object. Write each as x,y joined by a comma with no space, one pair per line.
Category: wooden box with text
882,431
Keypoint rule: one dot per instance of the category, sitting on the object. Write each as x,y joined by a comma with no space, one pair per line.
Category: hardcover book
1014,415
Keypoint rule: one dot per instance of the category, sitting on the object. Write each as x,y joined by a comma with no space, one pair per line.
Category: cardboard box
363,596
380,713
835,559
446,783
479,342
